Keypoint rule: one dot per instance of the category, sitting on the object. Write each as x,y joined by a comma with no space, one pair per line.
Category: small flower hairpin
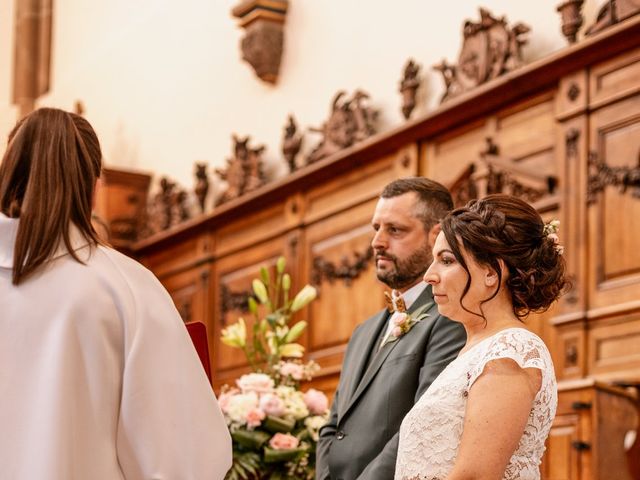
550,230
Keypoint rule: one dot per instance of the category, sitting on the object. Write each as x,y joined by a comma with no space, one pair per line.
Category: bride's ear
491,277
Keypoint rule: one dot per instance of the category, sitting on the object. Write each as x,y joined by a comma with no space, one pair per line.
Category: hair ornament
550,230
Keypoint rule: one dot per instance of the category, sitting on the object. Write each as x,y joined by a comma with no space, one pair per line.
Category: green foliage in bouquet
274,425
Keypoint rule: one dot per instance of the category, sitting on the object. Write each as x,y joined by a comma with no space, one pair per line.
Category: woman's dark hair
47,179
503,227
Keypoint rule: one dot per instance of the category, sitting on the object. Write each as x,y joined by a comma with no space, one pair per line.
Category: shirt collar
9,232
411,295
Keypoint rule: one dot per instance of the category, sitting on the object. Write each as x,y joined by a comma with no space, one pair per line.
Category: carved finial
202,185
291,143
409,87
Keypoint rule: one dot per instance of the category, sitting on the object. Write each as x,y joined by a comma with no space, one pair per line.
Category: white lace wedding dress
430,433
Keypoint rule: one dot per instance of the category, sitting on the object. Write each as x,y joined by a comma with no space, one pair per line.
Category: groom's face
402,247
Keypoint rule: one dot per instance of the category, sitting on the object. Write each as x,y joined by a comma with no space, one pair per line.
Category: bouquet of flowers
274,425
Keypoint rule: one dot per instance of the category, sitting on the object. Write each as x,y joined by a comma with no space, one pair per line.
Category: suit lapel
381,356
367,338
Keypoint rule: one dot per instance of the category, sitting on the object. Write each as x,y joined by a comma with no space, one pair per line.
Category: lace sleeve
520,345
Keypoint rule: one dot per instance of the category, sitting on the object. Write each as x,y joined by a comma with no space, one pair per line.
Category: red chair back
198,333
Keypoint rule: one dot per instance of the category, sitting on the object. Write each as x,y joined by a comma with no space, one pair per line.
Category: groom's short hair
434,200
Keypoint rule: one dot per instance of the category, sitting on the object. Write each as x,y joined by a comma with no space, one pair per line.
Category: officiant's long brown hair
47,180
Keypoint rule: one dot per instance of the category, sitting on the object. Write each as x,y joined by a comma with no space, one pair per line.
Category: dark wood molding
571,142
602,175
347,270
230,300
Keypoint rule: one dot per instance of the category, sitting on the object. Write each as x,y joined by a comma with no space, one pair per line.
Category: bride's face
448,279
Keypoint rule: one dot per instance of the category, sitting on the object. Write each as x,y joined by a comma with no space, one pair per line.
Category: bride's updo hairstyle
503,227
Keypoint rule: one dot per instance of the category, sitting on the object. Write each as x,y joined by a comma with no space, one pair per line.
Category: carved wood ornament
612,12
263,43
489,49
230,301
602,175
495,174
346,270
291,143
409,87
350,121
570,12
202,185
244,171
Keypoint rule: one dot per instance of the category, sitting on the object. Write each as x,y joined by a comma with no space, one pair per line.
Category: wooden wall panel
342,303
614,253
614,79
359,185
614,348
233,275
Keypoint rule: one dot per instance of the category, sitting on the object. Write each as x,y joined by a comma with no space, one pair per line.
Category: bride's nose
430,276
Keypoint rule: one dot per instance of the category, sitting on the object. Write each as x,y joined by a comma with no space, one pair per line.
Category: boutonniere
405,321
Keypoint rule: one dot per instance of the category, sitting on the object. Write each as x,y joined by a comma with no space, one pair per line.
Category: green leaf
264,274
276,424
253,305
295,331
274,456
253,439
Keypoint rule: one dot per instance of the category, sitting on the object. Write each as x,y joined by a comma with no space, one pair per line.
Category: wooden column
32,54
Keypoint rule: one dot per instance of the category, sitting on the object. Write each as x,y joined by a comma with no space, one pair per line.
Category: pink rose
396,332
254,417
283,441
293,370
255,382
272,404
316,401
554,238
224,398
400,319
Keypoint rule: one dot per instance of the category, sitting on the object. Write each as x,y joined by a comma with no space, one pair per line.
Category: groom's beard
405,272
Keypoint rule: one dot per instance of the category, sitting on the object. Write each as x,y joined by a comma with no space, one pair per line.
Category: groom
385,370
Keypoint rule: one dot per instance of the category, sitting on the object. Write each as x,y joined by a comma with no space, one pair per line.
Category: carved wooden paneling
614,348
446,157
253,228
183,255
614,232
571,98
561,459
615,79
190,290
343,302
569,351
359,186
526,133
233,276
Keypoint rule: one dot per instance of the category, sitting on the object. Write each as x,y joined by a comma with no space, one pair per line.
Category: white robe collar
9,232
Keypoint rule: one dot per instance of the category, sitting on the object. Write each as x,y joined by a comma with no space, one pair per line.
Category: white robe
99,379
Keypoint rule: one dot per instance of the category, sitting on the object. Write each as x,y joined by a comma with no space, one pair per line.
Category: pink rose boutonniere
403,322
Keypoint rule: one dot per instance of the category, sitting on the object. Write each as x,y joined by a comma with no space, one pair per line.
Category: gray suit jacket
360,440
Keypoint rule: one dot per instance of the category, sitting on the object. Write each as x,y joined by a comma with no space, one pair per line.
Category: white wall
164,85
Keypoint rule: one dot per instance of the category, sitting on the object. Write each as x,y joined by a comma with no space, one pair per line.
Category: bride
488,414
